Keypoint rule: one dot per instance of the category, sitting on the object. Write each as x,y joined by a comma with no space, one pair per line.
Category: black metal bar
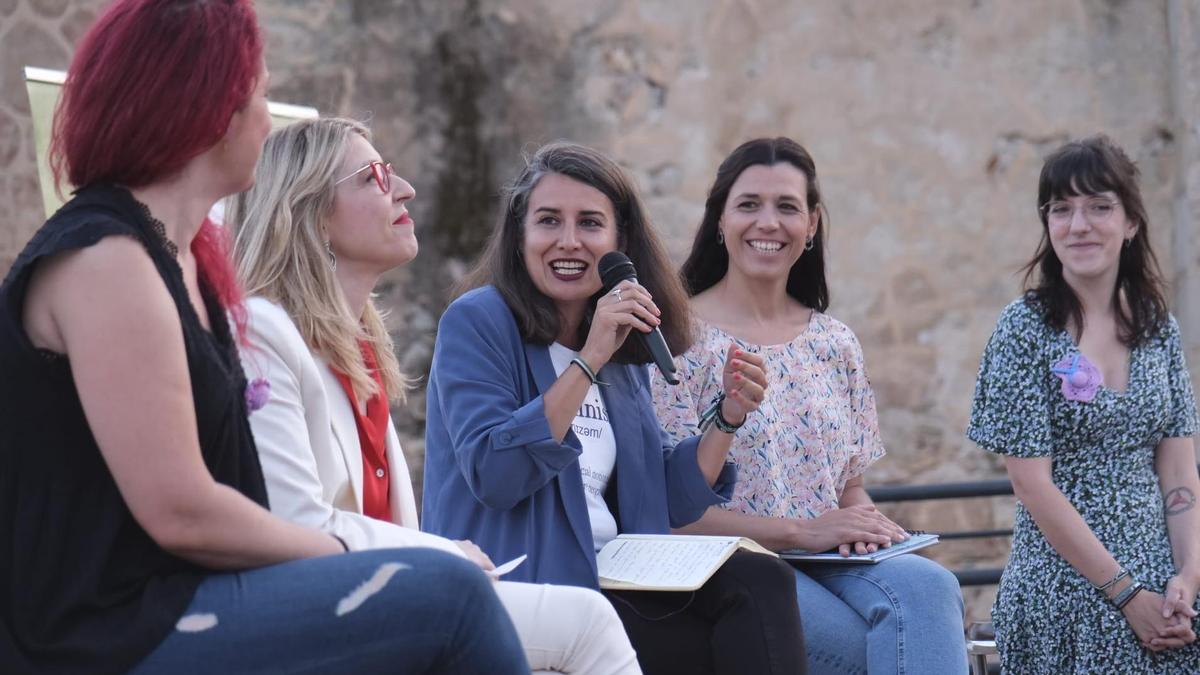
974,534
986,576
986,488
904,493
989,576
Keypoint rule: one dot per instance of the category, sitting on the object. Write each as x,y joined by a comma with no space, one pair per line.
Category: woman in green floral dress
1084,389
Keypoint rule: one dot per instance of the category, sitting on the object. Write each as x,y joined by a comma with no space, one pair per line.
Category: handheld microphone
615,267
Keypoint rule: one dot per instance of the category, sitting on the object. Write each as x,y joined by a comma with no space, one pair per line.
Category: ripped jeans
409,610
903,615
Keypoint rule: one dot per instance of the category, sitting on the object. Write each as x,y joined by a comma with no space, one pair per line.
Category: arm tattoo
1179,500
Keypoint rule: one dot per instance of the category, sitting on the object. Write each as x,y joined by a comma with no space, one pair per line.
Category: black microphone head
615,267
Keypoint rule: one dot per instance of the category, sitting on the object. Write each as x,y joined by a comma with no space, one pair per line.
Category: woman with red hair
133,530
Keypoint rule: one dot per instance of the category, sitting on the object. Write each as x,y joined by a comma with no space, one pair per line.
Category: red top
372,438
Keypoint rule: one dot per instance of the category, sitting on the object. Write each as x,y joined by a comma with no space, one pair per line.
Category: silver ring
617,292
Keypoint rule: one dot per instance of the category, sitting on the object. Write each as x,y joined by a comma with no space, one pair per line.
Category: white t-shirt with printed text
595,434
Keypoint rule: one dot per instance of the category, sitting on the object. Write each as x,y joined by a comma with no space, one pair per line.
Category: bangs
1076,170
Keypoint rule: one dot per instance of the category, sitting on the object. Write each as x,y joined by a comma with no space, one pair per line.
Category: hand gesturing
744,380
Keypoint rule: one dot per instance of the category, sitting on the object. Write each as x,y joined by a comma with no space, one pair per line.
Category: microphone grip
657,345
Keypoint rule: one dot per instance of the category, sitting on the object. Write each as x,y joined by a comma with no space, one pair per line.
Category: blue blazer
495,475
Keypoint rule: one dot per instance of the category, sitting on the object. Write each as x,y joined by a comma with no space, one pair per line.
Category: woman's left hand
1179,597
1153,631
745,383
863,547
858,548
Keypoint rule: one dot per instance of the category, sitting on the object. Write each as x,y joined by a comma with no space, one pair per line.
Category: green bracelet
587,370
712,416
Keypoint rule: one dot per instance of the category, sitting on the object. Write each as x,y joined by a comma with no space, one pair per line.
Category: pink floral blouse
816,429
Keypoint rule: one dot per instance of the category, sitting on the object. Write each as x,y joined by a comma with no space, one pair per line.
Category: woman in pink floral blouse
757,278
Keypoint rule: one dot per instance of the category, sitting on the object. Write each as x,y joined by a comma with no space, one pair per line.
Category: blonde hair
280,253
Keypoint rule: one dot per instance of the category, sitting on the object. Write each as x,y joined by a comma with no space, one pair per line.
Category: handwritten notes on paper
664,562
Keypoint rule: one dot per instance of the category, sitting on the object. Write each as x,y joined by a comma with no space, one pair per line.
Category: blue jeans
406,610
903,615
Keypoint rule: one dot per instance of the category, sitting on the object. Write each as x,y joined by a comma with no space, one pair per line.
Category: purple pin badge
1081,379
258,392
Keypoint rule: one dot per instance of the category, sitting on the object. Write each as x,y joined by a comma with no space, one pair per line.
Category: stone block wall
35,33
928,121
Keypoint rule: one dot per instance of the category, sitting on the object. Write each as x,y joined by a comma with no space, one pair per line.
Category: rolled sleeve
502,445
688,493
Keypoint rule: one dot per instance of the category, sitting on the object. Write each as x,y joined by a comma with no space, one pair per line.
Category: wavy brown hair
1087,167
502,263
709,260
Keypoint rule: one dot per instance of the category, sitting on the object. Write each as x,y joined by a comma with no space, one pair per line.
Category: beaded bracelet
712,416
1127,594
587,370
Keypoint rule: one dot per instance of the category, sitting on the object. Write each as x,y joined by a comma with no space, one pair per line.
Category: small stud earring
720,236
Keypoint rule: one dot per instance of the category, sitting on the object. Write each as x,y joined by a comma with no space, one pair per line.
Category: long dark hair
502,263
709,261
1086,167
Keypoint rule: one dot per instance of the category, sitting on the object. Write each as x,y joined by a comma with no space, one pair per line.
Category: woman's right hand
849,525
475,554
1144,614
615,316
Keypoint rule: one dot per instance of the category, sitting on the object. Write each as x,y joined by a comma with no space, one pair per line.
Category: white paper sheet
507,567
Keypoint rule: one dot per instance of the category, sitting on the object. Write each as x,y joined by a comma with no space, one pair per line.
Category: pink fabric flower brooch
1080,377
258,392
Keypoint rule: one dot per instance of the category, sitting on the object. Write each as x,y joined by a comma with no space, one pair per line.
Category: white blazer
308,442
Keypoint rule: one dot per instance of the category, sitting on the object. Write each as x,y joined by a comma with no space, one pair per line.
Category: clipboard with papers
913,543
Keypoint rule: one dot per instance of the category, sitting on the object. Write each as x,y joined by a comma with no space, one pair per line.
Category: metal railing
985,576
908,493
996,487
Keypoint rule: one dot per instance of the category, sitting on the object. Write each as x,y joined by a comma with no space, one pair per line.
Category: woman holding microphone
541,436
